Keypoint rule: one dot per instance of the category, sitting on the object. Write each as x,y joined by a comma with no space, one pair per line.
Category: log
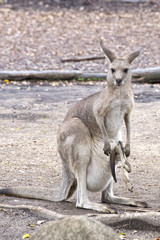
149,75
39,75
146,75
54,75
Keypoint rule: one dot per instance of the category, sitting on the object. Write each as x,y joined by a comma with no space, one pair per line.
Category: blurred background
36,34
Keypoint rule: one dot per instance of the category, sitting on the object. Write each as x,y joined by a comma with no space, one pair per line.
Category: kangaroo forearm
107,147
127,123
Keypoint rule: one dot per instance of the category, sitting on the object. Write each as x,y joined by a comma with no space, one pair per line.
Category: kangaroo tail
32,192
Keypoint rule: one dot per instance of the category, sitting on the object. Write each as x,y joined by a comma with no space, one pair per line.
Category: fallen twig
80,58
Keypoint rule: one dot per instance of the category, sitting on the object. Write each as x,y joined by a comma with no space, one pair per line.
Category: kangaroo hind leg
109,197
82,195
75,148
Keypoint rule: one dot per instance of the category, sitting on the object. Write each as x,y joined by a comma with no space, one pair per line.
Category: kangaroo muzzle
119,81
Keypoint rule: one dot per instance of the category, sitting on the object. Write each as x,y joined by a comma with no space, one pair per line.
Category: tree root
136,220
36,210
139,220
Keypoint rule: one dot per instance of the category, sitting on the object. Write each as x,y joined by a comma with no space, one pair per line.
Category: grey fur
88,134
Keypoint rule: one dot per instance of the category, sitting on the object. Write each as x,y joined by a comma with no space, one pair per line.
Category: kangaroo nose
119,81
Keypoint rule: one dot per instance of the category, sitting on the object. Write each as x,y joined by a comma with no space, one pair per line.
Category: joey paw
127,150
107,149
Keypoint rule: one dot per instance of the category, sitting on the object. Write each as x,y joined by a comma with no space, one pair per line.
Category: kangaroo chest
115,112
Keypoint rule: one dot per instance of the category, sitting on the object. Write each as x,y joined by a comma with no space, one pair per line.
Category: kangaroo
88,138
118,155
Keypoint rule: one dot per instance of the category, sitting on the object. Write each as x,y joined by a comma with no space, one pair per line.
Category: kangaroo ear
132,56
111,56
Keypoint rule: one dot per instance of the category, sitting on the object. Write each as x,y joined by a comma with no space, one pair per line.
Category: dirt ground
29,120
35,35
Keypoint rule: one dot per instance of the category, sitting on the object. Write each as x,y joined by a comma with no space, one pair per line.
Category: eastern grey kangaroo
88,135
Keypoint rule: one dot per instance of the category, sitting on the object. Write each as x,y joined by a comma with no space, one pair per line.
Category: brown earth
34,36
29,124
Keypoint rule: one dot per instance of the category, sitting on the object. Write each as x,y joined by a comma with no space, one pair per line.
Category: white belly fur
99,172
114,122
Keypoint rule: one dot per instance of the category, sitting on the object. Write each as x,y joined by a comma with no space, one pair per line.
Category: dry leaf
7,81
134,231
122,236
26,236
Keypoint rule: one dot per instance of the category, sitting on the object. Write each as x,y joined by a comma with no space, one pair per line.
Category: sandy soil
28,128
35,35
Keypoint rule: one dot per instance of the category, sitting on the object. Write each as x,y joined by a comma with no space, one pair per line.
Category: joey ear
111,56
132,56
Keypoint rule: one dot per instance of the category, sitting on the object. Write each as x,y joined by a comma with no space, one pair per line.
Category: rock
75,227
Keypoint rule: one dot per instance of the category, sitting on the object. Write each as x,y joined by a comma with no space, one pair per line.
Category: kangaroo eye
113,70
125,70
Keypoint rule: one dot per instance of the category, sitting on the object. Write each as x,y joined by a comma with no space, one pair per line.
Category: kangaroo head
119,71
